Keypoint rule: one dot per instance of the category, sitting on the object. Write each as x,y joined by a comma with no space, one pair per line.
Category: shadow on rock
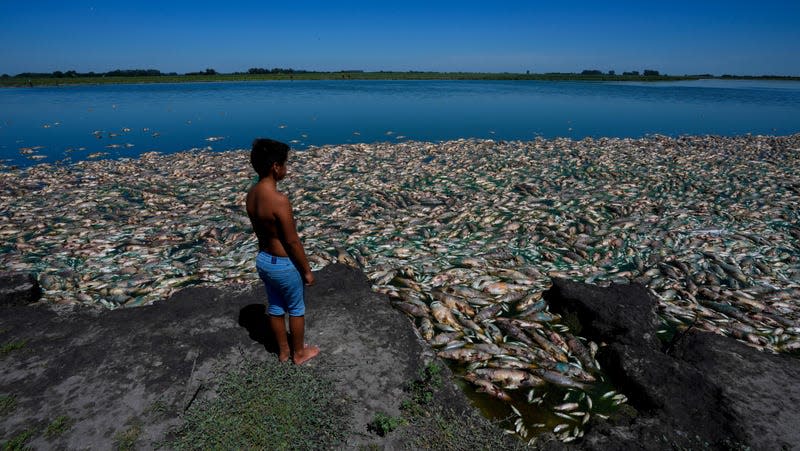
253,317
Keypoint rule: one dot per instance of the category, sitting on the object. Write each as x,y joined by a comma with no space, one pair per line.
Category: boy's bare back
269,210
271,215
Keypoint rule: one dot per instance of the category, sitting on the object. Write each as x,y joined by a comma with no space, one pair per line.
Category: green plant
58,426
383,423
12,346
126,440
18,442
422,389
7,404
158,409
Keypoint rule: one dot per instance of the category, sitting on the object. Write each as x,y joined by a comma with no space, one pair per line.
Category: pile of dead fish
462,235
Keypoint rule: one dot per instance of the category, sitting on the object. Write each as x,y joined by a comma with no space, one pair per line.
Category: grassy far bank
20,81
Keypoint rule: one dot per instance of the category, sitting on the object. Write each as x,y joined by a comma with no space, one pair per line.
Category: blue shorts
283,283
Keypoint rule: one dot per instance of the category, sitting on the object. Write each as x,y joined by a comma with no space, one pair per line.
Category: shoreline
62,164
14,82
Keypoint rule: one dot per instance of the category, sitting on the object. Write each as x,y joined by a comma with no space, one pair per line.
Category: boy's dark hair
265,152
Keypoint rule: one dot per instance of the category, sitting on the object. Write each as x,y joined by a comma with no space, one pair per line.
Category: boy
281,261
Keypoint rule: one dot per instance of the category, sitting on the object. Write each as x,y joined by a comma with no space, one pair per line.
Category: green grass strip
266,406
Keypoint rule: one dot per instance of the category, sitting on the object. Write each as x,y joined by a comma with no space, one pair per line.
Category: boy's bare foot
306,354
284,357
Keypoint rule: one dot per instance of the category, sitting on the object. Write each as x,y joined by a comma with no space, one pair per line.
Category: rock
703,391
624,313
18,288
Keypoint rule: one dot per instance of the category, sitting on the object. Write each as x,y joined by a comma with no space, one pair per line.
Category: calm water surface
78,122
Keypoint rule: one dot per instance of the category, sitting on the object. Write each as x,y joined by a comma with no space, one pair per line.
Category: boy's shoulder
266,193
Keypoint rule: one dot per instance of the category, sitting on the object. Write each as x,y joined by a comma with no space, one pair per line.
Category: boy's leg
278,326
302,353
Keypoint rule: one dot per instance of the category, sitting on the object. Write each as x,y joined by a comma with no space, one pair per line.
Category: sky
676,37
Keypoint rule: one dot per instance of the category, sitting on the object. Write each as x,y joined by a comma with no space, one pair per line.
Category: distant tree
210,71
58,74
527,72
5,76
650,73
635,73
611,72
591,72
133,73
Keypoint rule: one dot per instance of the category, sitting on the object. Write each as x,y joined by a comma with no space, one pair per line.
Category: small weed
158,409
422,390
7,404
18,442
126,440
58,426
10,347
383,423
432,375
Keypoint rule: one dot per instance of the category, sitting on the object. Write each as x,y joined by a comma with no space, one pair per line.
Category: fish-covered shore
464,236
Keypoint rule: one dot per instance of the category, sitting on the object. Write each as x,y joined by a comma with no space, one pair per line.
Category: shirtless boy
281,261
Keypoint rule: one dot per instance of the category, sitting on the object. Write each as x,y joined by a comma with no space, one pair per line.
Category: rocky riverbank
130,376
78,377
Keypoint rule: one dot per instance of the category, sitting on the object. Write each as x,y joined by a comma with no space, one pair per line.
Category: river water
73,123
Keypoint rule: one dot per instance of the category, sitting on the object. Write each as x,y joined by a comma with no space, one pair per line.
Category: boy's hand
308,278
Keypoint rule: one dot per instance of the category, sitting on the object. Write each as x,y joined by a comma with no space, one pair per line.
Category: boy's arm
291,241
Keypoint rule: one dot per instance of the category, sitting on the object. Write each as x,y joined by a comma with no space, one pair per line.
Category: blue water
71,123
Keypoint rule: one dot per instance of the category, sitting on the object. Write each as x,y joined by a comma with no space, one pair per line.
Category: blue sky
675,37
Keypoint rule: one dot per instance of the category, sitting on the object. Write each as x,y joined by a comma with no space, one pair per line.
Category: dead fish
513,331
509,378
580,351
487,387
488,312
445,337
411,309
559,379
545,344
464,354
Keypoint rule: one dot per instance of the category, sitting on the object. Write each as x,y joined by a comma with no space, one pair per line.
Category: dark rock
703,391
758,392
19,288
624,313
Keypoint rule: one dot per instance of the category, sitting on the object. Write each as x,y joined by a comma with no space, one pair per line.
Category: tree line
148,73
646,73
74,74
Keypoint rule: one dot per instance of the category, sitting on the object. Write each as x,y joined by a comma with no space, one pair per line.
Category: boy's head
266,153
